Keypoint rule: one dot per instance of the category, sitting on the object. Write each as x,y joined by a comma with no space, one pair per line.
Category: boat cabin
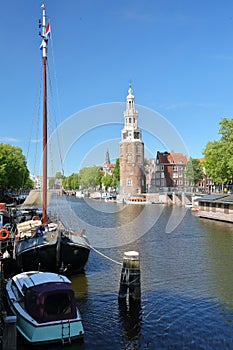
50,301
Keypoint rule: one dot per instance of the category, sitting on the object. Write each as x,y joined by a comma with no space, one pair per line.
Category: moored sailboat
42,243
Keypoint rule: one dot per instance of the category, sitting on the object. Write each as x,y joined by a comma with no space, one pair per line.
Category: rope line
105,256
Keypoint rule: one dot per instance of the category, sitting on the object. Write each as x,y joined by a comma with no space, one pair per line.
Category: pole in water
130,284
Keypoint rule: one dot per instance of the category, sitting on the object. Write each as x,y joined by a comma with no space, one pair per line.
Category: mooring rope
105,256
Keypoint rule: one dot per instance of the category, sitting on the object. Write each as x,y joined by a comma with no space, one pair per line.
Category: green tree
14,173
193,171
51,182
99,178
74,181
87,176
226,129
219,154
59,175
107,180
65,182
70,182
216,161
116,170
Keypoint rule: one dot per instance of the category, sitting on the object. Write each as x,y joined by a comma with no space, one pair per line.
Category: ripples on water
186,280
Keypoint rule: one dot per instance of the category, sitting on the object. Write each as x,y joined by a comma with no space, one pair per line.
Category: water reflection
186,283
219,259
79,285
130,316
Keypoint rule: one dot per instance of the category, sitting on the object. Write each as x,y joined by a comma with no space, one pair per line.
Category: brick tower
132,177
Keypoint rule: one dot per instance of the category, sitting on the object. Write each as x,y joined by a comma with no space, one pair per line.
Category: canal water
186,277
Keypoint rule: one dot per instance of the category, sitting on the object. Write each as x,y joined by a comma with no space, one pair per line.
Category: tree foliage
116,170
99,177
193,171
219,154
14,173
107,180
87,176
71,182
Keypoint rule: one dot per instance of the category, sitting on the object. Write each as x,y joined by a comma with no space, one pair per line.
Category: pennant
47,31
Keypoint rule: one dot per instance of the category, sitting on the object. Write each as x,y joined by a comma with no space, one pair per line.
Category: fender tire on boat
4,234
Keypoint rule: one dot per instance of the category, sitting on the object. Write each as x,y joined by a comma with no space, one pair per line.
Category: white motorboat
45,307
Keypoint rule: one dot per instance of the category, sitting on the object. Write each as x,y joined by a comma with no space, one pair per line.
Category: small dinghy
45,307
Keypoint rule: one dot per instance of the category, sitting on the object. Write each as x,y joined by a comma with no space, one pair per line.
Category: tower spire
131,151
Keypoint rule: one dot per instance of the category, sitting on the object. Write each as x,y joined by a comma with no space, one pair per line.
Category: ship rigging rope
33,121
58,106
59,146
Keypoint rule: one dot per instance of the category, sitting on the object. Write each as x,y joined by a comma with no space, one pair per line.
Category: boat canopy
51,302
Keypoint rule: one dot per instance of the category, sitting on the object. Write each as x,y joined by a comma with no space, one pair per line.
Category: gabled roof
177,158
171,158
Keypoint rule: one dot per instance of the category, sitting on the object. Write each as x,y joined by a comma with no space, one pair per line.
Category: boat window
59,306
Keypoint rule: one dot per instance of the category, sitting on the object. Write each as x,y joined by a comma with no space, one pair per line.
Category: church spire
107,158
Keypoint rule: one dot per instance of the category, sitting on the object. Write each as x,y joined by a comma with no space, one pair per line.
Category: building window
129,182
175,168
180,161
175,176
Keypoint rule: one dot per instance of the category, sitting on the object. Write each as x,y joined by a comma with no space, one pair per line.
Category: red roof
172,158
177,158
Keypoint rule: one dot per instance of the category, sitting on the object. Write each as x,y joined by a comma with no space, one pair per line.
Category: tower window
130,120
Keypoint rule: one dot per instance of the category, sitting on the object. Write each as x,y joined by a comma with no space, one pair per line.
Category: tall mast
44,64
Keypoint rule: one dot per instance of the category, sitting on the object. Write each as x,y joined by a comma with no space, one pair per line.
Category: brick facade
132,175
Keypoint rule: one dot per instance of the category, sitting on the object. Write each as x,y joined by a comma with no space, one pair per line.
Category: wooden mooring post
130,284
9,339
8,323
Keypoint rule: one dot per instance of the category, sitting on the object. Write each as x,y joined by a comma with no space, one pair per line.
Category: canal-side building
132,175
166,172
216,207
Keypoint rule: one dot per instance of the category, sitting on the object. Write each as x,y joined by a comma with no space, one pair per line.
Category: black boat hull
60,254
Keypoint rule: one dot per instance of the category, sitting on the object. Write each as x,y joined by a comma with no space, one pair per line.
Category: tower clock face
136,134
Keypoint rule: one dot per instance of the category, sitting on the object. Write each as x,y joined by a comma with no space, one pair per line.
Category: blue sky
178,55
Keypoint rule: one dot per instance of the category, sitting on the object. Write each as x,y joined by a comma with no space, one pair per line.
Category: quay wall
172,198
215,216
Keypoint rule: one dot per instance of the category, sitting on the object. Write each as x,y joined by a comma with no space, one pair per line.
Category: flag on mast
47,32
